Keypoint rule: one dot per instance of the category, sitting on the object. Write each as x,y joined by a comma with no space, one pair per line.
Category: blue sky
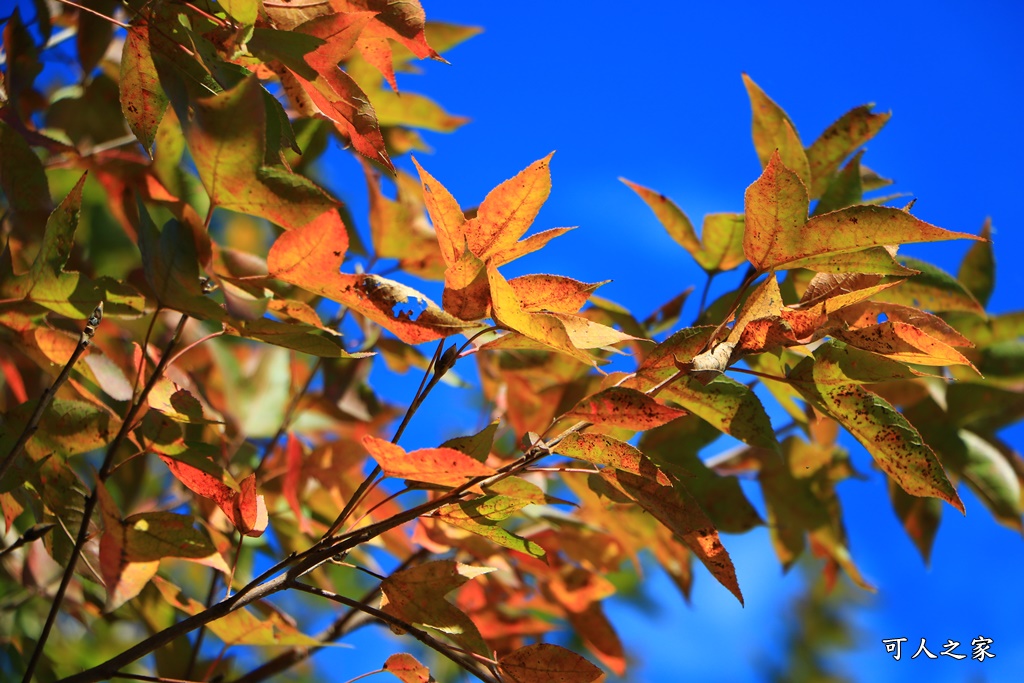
654,94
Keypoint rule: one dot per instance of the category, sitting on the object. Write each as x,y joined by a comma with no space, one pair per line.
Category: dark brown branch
93,499
457,656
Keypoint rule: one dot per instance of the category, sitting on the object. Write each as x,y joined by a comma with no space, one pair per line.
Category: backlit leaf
441,466
774,133
407,669
143,100
978,269
624,407
243,506
605,450
676,508
481,516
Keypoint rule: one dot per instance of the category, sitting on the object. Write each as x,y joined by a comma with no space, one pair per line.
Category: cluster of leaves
211,432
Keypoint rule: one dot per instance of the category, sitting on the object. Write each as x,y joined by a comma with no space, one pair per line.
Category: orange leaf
508,211
442,466
445,214
626,408
552,292
310,257
775,210
903,342
546,663
245,508
407,668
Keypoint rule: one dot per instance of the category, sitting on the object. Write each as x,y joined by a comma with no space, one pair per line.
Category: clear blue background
653,93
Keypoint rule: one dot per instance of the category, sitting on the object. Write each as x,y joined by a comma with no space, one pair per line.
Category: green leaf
844,189
481,516
731,407
896,446
46,283
932,289
477,446
23,182
675,447
978,269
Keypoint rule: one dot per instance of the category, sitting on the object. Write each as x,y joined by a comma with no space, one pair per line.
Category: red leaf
442,466
245,508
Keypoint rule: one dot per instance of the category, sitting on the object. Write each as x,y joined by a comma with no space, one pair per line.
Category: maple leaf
720,246
310,258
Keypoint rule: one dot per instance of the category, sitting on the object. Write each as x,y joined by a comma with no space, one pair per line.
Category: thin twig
92,11
33,533
214,577
704,293
417,400
84,339
335,631
93,499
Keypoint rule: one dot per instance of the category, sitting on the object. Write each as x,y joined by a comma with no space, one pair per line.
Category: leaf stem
84,339
704,293
93,499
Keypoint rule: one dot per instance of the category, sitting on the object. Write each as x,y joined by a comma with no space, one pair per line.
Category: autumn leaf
481,516
675,507
625,408
839,141
441,466
407,669
131,548
605,450
778,233
143,100
894,443
227,138
243,506
775,134
546,663
978,269
241,626
310,258
417,596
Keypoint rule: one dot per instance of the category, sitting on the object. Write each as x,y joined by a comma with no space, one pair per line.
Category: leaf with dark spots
839,141
605,450
894,443
546,663
676,508
625,408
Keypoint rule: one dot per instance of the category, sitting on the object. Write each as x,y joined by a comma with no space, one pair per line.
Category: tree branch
455,655
91,501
